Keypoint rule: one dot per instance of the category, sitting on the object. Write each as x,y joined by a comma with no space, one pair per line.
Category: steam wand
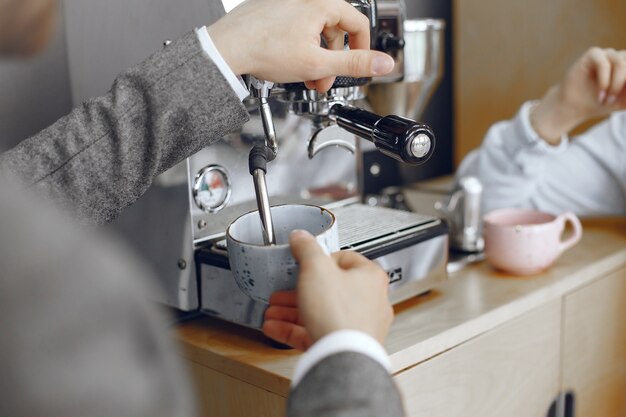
260,155
261,90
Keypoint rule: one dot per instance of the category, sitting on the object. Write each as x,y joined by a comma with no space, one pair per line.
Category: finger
618,76
306,250
349,259
325,84
288,333
286,314
621,100
601,67
284,298
623,93
347,18
335,38
310,84
355,63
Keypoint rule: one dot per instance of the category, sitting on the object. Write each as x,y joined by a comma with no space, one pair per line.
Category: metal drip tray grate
364,227
360,224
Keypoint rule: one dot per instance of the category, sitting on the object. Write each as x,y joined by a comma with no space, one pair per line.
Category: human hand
593,87
337,292
279,41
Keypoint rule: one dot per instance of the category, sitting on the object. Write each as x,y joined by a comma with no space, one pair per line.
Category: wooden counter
468,311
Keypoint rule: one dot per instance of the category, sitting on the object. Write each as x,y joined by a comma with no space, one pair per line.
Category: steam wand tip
260,155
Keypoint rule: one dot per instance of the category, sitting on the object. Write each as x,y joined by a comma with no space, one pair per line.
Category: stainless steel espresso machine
317,141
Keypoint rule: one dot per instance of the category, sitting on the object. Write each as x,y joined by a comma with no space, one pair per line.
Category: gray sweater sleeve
347,384
105,154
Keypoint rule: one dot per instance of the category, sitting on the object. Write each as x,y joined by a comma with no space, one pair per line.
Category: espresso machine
315,143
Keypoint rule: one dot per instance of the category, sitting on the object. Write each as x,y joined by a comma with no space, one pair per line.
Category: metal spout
258,159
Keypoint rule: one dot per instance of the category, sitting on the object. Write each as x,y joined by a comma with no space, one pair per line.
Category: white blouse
586,175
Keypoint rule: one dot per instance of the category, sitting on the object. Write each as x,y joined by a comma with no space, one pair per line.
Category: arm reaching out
105,154
594,86
528,161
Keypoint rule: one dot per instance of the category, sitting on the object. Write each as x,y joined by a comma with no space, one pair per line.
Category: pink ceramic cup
526,242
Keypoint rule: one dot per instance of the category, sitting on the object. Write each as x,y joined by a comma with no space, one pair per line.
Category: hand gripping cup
259,269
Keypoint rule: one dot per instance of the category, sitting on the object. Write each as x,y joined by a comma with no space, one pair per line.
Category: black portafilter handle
398,137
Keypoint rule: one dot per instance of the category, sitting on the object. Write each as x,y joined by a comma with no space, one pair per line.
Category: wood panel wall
509,51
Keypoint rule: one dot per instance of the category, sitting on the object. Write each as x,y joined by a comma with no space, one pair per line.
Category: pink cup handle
578,231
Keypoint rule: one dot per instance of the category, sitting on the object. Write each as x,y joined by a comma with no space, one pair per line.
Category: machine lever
398,137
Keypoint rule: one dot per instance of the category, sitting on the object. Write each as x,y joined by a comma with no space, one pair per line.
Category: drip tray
365,228
360,225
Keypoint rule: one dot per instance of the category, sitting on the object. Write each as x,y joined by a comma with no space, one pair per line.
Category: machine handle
398,137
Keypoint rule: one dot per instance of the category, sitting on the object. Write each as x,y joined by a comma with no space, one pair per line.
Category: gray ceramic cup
261,270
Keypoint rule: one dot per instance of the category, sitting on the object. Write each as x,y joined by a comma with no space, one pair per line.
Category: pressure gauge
212,189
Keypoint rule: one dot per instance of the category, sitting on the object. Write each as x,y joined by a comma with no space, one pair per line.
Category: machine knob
419,146
388,42
398,137
404,139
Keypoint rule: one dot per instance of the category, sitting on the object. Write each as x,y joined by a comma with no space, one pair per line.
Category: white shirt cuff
533,137
211,50
337,342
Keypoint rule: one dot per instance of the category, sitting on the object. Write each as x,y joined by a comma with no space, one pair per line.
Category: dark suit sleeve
105,154
346,384
79,336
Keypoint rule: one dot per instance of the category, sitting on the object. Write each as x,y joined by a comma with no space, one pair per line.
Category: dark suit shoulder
346,384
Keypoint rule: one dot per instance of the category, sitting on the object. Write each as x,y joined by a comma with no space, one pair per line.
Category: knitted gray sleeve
105,154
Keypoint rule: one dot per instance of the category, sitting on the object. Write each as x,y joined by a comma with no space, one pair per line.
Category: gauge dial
212,188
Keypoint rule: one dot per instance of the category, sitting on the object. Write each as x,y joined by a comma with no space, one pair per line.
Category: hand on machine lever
282,43
400,138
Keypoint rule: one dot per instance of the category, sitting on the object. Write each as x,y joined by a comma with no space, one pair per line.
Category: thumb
305,249
357,63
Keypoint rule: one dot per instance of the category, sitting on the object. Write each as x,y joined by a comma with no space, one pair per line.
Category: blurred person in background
79,334
530,161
